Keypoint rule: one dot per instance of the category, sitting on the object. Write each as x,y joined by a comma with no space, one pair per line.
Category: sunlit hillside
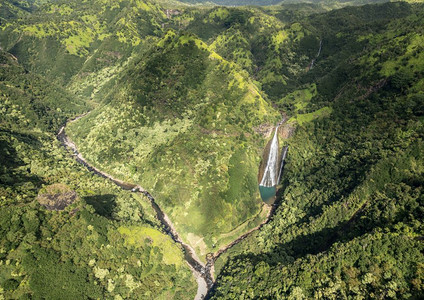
134,135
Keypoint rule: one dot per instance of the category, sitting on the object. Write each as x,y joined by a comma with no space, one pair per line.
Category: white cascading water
269,178
283,158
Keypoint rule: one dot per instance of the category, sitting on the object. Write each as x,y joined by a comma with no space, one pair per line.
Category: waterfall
319,52
320,48
269,178
283,157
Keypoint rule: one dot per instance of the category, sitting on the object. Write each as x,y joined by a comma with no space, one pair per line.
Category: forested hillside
182,109
328,4
93,239
234,2
181,101
349,223
79,41
62,227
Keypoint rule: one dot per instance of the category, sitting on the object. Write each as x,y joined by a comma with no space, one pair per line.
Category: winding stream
204,274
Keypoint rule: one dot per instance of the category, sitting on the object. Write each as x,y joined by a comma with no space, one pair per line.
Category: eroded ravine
204,274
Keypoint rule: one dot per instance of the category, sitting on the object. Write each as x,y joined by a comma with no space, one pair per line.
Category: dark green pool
267,194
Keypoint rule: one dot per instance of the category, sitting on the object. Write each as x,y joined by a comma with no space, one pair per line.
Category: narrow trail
204,274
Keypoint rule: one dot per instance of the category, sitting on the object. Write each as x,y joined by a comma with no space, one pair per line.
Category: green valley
134,135
191,144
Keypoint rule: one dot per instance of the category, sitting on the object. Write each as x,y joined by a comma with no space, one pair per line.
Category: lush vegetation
93,240
200,127
234,2
181,101
349,224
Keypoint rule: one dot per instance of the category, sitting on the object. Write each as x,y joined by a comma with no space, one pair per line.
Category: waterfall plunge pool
267,185
268,194
273,169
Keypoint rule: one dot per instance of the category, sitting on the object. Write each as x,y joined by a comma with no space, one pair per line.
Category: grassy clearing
305,118
298,100
138,236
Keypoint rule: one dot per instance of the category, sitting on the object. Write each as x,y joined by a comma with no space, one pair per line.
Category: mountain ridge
180,103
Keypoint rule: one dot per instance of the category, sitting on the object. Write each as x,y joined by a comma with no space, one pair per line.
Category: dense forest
349,223
61,227
181,99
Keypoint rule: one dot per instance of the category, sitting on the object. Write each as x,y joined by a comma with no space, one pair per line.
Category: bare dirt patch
56,197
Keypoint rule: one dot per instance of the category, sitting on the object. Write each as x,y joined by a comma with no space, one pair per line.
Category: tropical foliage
181,100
